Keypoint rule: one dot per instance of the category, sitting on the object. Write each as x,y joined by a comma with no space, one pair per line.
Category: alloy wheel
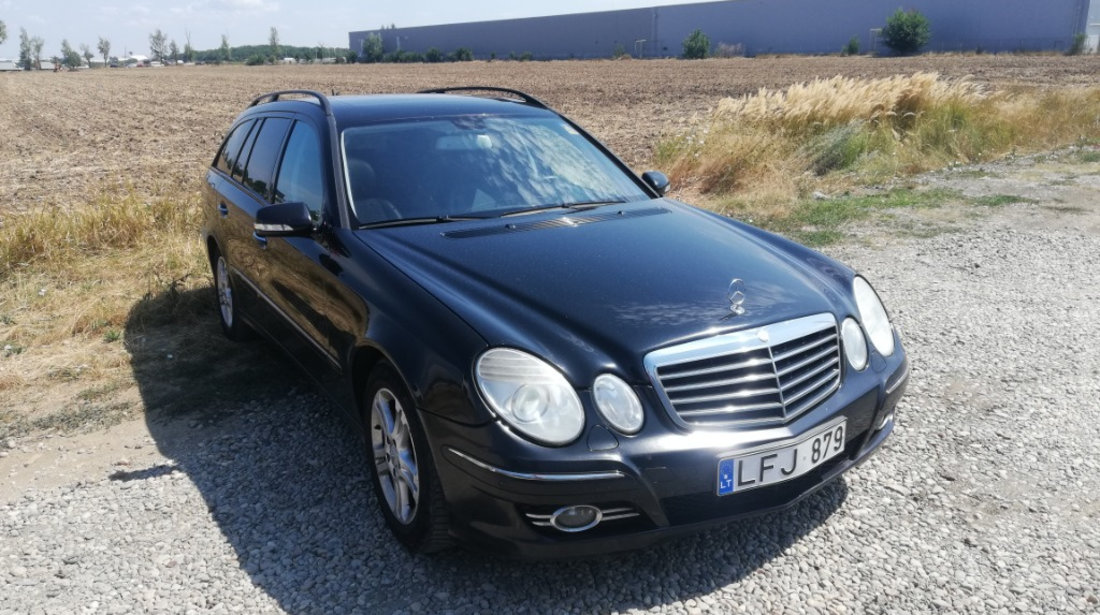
395,460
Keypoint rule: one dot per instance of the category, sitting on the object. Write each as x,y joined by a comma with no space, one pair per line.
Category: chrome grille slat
816,400
722,368
766,375
816,385
810,374
725,396
721,383
726,410
801,349
805,362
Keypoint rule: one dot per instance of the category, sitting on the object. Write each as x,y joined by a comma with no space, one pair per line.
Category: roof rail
274,96
527,98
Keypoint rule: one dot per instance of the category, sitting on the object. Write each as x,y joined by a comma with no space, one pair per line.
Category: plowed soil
65,134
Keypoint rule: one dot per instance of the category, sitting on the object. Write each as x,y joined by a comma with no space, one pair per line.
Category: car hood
598,289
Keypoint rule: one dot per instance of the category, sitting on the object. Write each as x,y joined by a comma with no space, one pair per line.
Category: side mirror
656,180
282,220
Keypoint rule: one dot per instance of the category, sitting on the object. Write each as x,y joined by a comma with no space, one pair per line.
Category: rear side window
237,169
300,174
232,148
265,151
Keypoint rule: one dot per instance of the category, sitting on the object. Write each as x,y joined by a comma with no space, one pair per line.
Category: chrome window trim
763,337
538,476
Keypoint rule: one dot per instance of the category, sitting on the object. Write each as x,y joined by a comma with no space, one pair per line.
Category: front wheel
401,465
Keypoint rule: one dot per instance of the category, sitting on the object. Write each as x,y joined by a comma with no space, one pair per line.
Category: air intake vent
563,221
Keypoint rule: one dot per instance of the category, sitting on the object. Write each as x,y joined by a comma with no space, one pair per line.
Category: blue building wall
758,26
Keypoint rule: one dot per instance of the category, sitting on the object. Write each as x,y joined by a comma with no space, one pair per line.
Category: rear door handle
260,240
223,210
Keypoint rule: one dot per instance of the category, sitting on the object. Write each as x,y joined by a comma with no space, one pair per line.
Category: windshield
460,167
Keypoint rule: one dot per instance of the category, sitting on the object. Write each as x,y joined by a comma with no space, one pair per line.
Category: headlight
530,395
855,345
618,404
873,316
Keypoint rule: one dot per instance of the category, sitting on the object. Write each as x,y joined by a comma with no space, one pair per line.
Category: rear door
254,181
233,208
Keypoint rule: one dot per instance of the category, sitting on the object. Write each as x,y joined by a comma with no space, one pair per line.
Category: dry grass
80,272
776,145
72,284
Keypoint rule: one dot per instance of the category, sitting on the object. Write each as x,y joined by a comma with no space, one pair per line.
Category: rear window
265,151
232,148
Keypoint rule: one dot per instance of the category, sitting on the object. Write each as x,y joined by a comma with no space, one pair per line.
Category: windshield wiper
577,206
415,221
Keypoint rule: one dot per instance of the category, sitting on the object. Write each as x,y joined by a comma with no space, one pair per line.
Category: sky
127,25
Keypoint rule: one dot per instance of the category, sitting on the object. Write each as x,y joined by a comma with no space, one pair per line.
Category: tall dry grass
775,145
79,272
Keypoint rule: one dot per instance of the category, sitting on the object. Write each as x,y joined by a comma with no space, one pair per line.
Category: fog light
576,518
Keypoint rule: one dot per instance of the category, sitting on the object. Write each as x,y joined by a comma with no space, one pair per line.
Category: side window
300,174
237,168
265,151
232,148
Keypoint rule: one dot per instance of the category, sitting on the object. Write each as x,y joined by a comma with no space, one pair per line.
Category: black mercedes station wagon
546,357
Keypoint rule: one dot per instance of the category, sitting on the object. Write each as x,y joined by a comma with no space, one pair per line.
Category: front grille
770,374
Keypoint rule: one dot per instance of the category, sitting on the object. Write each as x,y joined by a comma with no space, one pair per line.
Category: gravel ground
985,500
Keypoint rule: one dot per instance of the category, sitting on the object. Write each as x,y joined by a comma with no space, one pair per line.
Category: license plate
776,465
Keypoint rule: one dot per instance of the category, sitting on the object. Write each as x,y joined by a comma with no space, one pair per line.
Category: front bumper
664,479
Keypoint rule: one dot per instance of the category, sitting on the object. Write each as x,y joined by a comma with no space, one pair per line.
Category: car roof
355,110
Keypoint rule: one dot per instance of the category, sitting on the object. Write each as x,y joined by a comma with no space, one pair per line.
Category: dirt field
67,133
70,139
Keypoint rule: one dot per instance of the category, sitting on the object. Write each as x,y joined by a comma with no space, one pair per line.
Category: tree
3,33
906,32
464,54
69,57
273,40
696,46
372,48
104,48
158,45
26,57
86,51
188,50
36,51
224,53
852,48
173,51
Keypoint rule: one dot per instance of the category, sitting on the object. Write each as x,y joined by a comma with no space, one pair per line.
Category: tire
228,313
401,466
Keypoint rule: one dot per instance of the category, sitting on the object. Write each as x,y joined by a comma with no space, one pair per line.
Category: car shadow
286,482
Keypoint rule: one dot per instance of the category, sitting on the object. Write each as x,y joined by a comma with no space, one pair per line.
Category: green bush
464,54
255,60
696,46
906,32
1078,46
433,55
852,48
